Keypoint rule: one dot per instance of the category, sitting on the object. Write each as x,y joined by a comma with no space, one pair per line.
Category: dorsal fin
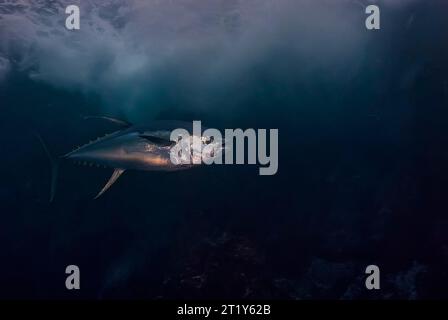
117,173
121,123
157,140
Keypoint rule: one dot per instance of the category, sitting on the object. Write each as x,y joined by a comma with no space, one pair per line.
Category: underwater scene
343,160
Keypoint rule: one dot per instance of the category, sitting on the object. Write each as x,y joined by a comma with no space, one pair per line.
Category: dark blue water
362,180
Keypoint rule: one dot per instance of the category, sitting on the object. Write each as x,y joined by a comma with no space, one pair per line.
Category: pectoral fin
157,140
117,173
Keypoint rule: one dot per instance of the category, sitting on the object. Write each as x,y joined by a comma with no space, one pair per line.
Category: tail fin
54,167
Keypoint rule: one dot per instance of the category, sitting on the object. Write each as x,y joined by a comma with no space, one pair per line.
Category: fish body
134,147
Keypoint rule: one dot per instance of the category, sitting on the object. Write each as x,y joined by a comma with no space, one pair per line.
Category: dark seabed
362,179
